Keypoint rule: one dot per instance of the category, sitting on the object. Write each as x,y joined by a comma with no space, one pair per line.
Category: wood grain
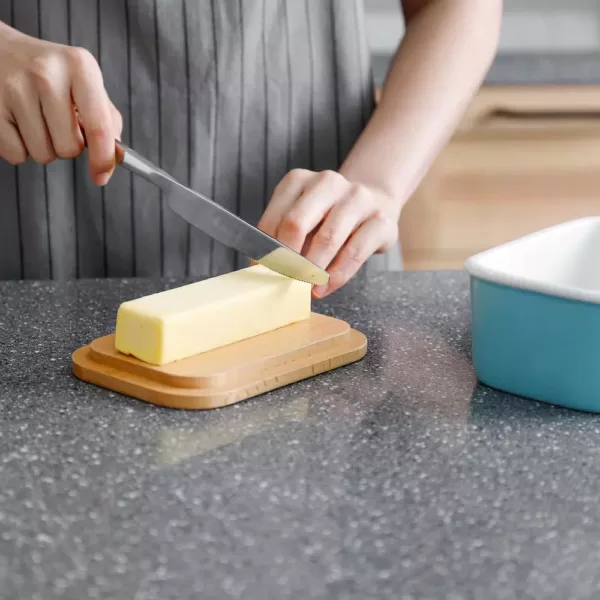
523,158
229,374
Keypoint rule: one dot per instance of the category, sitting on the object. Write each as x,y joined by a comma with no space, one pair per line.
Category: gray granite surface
526,69
396,478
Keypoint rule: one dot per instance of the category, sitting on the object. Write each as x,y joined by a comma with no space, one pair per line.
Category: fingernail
103,178
319,291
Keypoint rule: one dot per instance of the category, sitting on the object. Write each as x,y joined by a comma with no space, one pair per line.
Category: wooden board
229,374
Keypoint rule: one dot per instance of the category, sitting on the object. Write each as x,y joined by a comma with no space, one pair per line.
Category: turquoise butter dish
535,305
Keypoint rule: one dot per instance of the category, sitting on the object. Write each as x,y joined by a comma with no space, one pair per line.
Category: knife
222,225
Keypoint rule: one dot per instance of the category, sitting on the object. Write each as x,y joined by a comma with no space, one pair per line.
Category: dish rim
476,267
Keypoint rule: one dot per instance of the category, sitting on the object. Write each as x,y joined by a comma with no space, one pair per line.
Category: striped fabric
226,95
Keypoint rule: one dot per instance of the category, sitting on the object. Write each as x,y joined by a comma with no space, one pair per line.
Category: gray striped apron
226,95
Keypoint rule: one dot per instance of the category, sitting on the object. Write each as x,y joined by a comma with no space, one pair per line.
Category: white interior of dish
563,260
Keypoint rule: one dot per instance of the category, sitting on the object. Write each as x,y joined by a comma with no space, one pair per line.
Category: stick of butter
179,323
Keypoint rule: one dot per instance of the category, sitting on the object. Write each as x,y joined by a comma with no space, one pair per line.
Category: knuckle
14,88
43,157
382,221
80,59
97,131
378,215
326,237
16,157
329,176
356,192
354,255
69,150
41,152
382,213
296,175
291,224
43,70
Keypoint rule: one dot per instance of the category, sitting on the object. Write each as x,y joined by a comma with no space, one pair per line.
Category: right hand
46,91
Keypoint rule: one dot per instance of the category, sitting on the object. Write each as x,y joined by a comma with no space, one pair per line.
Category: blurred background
527,154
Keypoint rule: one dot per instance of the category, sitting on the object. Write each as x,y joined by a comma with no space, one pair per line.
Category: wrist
376,181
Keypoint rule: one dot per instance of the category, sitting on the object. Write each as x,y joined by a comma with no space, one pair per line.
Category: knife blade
222,225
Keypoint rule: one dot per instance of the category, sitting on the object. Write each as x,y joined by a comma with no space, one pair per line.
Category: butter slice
179,323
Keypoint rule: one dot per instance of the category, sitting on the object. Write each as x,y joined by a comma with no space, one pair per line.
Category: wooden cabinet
524,158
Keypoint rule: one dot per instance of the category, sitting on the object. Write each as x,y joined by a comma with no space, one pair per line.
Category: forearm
444,56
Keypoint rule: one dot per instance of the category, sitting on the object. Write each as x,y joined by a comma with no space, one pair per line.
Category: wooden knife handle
119,152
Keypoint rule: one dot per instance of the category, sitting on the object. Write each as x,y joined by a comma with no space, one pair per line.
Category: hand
44,89
333,222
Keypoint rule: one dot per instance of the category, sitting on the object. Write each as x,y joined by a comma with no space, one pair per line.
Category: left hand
332,221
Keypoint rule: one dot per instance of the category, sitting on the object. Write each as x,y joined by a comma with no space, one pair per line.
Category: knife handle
131,160
126,157
120,152
134,162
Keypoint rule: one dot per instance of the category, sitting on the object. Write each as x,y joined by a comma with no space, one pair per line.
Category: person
246,101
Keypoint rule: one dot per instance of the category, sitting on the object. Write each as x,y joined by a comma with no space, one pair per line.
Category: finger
339,224
117,121
12,147
319,195
61,119
288,190
367,240
94,108
32,126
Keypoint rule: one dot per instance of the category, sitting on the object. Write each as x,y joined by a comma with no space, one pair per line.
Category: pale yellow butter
191,319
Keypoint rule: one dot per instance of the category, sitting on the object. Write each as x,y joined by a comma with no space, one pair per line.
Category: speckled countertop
395,478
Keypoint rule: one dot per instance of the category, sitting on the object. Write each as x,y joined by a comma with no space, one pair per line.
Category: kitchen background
527,154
